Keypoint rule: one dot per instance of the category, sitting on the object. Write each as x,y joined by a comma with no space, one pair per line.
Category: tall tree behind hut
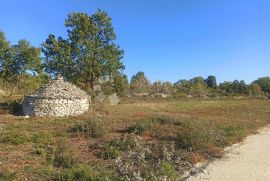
88,53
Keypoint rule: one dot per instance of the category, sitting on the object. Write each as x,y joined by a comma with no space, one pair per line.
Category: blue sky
167,39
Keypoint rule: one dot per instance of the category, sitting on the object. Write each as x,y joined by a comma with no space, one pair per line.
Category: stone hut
58,98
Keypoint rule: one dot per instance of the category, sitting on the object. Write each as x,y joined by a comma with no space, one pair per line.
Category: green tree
198,86
162,87
226,88
119,85
4,47
255,89
211,81
18,60
88,54
139,83
264,83
182,87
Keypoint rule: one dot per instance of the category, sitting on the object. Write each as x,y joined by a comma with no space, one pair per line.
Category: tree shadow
11,107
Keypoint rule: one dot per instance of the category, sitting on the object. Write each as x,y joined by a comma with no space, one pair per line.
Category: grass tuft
91,128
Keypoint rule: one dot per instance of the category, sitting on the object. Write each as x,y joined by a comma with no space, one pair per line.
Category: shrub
139,128
63,156
84,173
227,134
163,120
41,138
168,169
7,176
44,173
195,138
14,138
111,149
109,152
92,128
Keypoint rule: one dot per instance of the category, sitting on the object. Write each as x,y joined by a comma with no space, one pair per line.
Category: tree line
90,53
200,87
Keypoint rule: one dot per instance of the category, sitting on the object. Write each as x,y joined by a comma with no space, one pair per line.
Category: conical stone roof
59,89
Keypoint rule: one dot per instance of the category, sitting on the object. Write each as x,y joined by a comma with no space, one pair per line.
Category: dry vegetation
151,139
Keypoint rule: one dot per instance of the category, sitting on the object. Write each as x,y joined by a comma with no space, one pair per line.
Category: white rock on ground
249,161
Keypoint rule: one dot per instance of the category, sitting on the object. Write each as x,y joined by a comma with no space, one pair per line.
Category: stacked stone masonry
58,98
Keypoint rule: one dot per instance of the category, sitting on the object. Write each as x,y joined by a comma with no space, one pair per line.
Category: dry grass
198,128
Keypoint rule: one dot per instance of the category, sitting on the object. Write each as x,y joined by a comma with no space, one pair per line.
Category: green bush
7,176
226,133
139,128
63,157
92,128
41,138
163,120
84,173
168,169
110,152
14,138
112,149
196,138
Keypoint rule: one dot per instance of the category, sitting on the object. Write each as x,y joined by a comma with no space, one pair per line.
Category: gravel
247,161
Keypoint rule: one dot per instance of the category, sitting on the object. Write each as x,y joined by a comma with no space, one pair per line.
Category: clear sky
167,39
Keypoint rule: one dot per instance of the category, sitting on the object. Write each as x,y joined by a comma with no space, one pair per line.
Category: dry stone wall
34,106
58,98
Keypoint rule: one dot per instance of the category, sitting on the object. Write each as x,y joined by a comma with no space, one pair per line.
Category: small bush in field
162,120
139,128
14,138
84,173
7,176
196,138
144,125
112,149
41,137
109,152
63,156
168,169
224,134
92,128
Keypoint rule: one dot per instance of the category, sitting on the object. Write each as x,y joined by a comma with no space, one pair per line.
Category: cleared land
139,138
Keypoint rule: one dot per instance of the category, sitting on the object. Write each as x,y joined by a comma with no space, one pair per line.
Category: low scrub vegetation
7,176
91,128
151,140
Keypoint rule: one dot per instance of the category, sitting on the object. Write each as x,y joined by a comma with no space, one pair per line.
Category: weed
168,169
12,137
7,176
63,156
112,149
163,120
139,128
44,173
194,138
83,173
229,134
41,138
92,128
109,152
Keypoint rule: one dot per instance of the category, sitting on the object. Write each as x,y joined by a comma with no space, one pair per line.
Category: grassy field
149,139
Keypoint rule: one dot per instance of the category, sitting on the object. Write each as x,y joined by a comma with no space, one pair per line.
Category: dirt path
248,161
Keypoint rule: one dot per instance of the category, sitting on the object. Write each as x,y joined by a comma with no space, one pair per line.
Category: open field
151,139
